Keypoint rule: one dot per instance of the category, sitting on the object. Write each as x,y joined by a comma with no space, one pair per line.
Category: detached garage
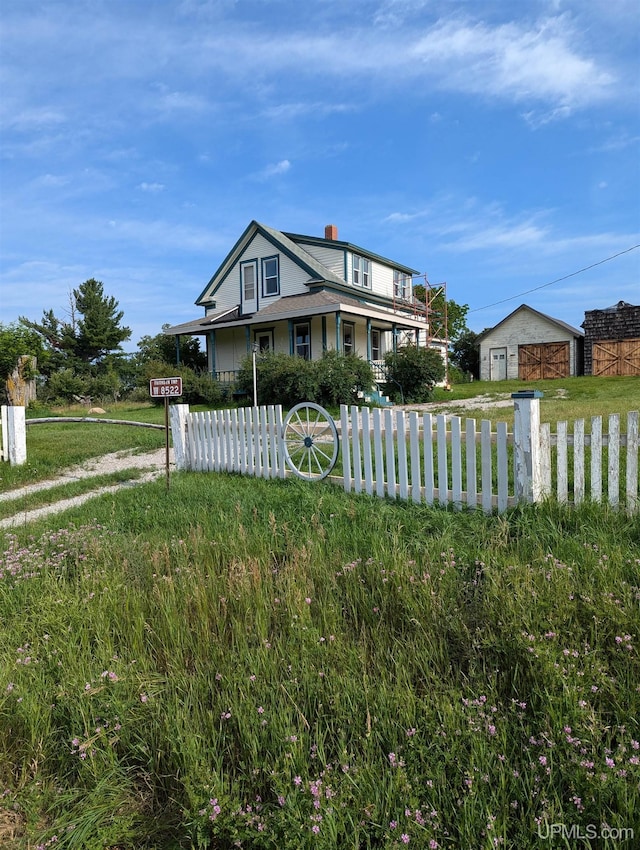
531,346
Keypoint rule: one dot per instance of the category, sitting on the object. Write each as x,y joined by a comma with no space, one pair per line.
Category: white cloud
299,109
275,169
514,61
154,188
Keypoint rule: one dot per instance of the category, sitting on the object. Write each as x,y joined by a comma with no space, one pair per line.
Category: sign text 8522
165,387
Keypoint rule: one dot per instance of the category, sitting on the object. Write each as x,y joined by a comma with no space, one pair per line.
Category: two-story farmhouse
303,295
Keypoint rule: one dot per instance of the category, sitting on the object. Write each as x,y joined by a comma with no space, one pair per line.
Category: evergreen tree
91,333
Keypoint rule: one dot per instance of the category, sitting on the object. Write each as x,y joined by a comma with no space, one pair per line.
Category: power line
557,280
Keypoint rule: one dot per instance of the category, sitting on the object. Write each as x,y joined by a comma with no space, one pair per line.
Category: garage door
543,360
616,357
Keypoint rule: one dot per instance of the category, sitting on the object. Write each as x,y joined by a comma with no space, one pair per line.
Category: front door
498,364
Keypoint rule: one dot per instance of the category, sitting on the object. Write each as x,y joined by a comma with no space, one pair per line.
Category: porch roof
299,306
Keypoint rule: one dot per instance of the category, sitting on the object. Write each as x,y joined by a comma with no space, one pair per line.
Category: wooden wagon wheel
310,441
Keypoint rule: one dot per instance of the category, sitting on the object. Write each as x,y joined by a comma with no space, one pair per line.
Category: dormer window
361,273
270,277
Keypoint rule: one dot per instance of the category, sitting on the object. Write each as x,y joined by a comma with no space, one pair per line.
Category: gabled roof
558,322
291,244
349,246
315,270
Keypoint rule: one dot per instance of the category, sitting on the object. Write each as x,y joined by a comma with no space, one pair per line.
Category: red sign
165,387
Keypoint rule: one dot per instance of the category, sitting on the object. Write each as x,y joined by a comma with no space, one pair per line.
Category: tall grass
269,664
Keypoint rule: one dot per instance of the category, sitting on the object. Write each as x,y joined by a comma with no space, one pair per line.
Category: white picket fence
418,456
431,458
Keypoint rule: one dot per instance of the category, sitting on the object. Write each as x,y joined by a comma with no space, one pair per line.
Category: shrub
341,377
63,386
282,379
412,373
197,387
288,379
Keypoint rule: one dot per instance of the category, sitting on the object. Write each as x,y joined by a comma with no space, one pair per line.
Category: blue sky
492,144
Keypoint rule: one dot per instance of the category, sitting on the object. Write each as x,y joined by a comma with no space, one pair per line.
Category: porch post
178,349
247,333
324,333
338,326
526,445
369,340
291,340
394,337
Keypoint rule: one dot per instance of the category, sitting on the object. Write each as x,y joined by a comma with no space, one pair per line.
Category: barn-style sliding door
543,360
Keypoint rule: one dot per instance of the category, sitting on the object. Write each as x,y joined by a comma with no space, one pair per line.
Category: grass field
269,664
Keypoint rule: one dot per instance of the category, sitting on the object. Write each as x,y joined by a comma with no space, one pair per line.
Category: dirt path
153,462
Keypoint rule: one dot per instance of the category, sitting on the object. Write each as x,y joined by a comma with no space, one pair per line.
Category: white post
526,445
179,413
5,432
17,431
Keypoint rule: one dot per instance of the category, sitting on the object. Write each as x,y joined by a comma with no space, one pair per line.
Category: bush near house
288,380
412,373
341,377
197,387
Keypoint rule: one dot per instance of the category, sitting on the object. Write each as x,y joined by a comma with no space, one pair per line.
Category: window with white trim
376,344
401,285
270,276
361,271
248,272
348,338
264,340
303,340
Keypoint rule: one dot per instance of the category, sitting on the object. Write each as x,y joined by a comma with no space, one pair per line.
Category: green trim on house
348,246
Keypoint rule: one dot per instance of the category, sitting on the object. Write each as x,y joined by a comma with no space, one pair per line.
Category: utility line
557,280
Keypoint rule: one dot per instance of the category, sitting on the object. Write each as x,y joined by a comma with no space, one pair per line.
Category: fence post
17,431
526,446
4,416
179,413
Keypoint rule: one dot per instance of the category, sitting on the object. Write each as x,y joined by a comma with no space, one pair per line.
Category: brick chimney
331,232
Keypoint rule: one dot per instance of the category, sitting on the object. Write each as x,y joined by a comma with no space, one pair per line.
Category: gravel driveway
153,462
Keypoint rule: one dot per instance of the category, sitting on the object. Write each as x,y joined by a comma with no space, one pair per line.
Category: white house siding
380,276
292,277
332,258
522,328
230,348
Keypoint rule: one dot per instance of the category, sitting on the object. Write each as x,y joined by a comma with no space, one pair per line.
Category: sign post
166,388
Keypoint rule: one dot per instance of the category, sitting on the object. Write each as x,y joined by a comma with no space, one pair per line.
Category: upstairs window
361,271
401,285
248,272
270,277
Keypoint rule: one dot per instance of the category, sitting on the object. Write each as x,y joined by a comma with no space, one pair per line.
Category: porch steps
376,397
